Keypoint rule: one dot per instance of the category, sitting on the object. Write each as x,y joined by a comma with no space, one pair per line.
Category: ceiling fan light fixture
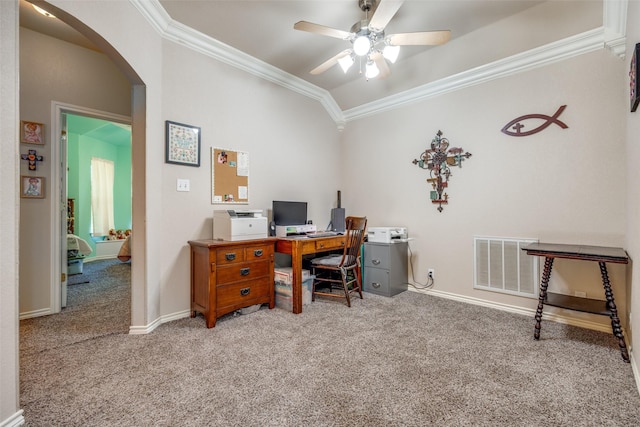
372,70
43,12
391,53
346,62
361,45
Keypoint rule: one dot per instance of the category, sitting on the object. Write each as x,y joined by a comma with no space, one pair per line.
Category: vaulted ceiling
258,36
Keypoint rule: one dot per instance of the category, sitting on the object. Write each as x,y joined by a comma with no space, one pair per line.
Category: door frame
59,190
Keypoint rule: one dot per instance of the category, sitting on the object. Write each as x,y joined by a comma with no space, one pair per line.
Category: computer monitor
289,213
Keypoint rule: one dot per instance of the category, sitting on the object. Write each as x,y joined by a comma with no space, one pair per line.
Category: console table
299,246
599,254
227,276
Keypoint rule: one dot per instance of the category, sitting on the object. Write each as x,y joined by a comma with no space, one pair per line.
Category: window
102,216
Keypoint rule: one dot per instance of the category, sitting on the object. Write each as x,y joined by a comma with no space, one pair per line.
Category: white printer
235,225
387,234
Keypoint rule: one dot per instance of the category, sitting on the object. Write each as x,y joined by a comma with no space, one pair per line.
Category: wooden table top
581,252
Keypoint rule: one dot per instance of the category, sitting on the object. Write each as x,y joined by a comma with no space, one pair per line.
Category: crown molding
614,17
175,31
611,35
544,55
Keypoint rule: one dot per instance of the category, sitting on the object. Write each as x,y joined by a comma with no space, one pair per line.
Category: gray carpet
410,360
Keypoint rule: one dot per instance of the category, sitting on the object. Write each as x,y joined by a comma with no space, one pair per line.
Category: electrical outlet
431,273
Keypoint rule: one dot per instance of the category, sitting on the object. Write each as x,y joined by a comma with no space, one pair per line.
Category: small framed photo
32,187
183,144
634,91
31,132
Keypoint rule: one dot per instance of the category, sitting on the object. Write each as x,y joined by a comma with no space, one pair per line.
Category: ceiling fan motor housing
366,5
361,28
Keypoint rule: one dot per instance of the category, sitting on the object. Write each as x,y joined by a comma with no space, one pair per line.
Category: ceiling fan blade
382,65
321,29
420,38
330,62
384,12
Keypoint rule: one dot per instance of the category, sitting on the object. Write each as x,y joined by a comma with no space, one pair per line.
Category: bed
77,247
124,254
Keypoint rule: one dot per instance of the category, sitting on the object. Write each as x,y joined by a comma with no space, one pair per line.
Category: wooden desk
601,255
299,246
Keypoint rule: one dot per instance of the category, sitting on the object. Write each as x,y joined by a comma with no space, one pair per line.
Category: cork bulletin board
229,176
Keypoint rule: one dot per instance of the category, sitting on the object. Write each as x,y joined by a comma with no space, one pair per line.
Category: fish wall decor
515,126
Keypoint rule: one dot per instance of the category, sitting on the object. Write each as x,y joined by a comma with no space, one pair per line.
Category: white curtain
101,196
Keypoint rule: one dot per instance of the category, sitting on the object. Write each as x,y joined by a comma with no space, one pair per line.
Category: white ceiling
264,30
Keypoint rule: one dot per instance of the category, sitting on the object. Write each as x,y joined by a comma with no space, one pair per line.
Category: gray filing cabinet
385,268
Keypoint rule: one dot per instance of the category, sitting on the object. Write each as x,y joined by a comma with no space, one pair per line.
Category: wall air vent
500,265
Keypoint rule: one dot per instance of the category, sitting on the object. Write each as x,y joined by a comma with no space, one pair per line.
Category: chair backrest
355,227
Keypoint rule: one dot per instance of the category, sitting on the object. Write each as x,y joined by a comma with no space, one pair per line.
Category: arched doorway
138,119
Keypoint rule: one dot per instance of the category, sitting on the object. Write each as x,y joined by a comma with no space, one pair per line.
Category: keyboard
322,234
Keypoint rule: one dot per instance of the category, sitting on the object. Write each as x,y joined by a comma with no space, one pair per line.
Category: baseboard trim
634,369
146,329
100,258
554,317
36,313
142,330
16,419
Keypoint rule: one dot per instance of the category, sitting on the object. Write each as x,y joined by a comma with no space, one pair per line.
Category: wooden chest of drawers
227,276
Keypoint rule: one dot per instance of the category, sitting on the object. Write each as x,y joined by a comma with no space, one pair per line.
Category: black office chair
341,272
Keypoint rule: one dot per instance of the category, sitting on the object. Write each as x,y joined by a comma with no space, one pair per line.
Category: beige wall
290,139
556,186
9,372
632,155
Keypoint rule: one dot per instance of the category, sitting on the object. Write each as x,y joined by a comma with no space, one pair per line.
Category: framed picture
31,132
633,78
31,187
183,144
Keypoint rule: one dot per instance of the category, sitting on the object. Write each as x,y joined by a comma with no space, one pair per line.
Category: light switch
184,185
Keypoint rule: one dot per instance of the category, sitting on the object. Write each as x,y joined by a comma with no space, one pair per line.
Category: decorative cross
32,158
437,160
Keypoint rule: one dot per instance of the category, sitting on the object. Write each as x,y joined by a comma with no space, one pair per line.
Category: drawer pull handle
257,252
376,285
245,291
230,256
321,245
375,261
245,271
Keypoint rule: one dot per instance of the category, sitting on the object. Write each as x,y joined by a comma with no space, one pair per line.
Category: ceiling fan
369,41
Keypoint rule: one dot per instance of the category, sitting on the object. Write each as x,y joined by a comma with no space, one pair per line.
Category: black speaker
337,220
272,228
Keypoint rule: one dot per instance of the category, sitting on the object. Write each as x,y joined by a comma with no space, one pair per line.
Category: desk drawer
258,252
242,272
230,255
243,294
330,244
